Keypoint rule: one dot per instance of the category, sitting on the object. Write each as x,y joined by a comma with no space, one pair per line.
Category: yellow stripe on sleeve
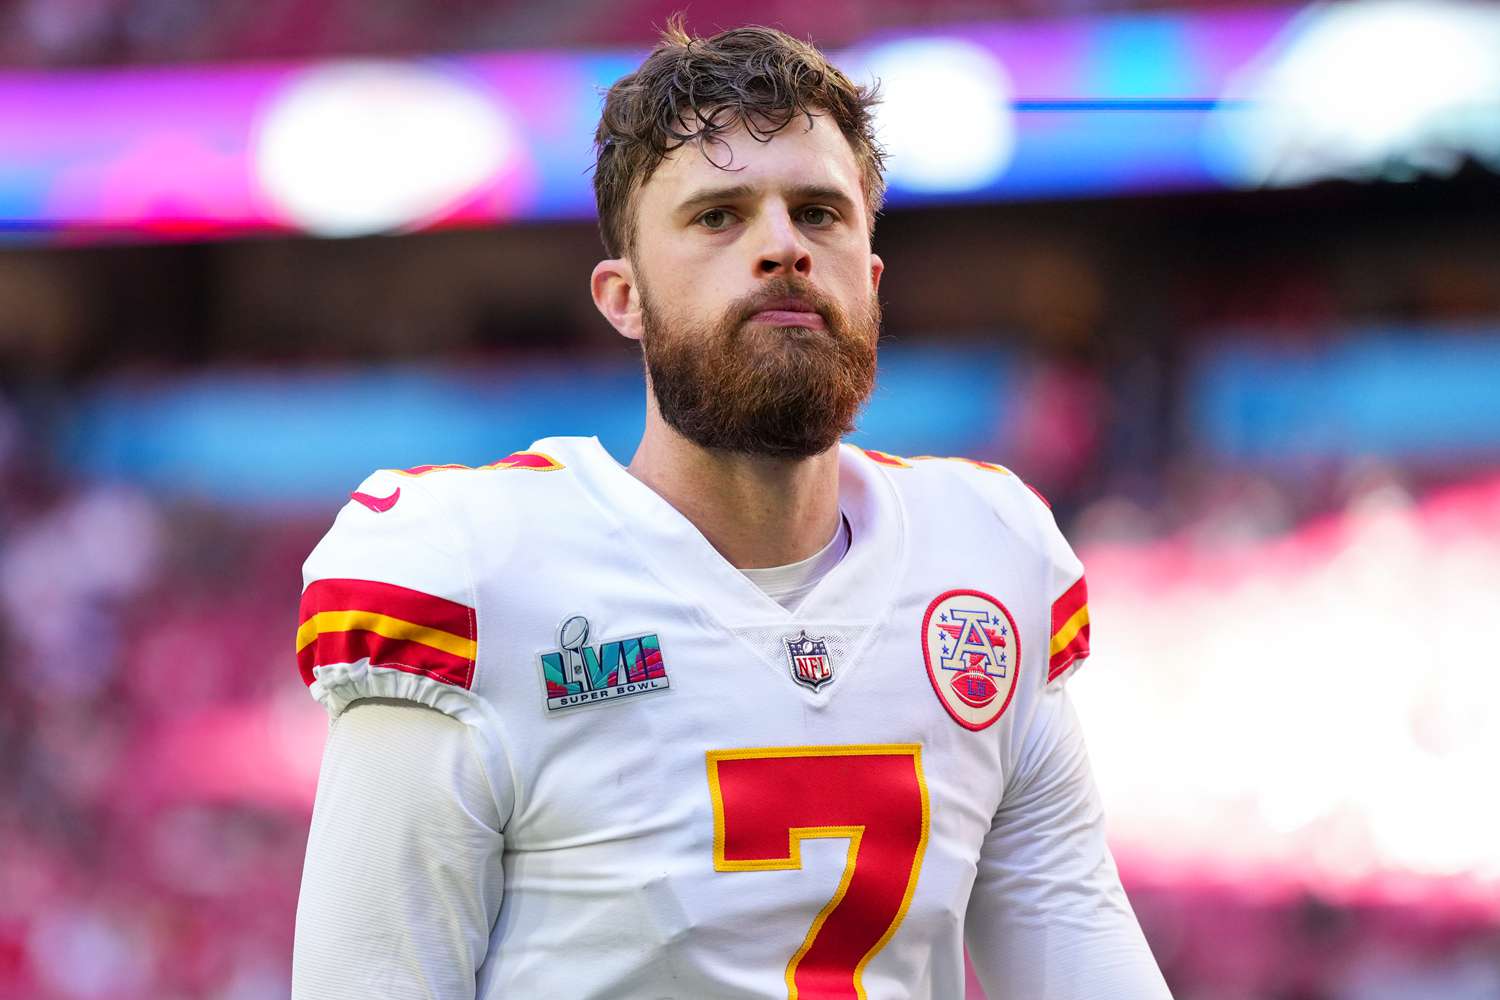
391,628
1070,628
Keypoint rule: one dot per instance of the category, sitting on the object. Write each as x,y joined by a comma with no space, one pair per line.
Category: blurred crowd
1232,943
127,623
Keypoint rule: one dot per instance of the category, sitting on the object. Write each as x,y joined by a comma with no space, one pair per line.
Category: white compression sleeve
1047,916
403,877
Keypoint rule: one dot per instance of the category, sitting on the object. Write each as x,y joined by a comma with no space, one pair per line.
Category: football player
760,715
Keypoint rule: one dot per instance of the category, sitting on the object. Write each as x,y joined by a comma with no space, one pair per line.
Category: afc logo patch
973,656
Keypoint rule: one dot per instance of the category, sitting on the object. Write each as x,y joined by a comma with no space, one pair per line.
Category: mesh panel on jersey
842,640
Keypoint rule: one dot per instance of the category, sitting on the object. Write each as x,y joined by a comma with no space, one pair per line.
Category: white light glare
1389,88
1327,707
355,148
945,118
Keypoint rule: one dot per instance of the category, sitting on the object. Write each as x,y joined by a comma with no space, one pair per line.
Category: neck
756,511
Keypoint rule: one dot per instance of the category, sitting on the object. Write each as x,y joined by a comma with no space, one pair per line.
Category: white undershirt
787,585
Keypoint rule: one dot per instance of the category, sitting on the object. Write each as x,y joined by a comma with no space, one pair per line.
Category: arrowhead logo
378,504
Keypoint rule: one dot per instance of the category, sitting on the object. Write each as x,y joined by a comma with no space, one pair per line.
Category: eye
818,216
716,219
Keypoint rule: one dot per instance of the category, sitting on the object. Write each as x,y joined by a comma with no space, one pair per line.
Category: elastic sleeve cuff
337,686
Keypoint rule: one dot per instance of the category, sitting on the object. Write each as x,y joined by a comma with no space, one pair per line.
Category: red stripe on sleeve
414,606
1063,610
1066,606
1078,649
402,654
387,599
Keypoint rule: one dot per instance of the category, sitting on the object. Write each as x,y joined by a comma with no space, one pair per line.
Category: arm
402,880
1047,916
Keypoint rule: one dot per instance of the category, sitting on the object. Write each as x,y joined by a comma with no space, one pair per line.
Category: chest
614,680
731,780
687,763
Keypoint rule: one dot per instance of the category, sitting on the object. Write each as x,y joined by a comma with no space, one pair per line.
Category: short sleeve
1067,589
1068,645
387,605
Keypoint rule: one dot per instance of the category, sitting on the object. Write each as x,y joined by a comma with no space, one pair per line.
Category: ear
877,268
615,296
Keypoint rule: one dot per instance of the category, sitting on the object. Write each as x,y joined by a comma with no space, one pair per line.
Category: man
762,715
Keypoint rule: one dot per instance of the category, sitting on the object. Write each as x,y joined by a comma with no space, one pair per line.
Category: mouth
789,312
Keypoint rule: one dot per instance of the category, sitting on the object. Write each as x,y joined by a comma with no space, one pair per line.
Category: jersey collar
861,588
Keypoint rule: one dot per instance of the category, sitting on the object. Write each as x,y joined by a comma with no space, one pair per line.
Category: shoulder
395,517
432,503
952,486
389,606
452,484
957,492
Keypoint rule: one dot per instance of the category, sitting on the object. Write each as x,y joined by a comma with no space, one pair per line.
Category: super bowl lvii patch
578,674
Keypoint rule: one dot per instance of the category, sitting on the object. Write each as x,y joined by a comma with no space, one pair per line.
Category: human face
754,290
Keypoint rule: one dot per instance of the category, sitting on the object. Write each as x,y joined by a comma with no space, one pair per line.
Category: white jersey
697,793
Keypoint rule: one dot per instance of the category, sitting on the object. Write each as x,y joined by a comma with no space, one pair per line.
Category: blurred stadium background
1223,281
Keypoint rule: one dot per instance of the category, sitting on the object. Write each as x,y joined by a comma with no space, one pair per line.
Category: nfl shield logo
809,660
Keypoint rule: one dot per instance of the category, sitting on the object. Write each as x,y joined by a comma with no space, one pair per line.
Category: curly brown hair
693,89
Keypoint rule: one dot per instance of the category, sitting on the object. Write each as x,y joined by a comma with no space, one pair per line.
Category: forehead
798,155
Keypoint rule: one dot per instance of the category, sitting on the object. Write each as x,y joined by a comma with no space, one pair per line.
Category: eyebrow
739,192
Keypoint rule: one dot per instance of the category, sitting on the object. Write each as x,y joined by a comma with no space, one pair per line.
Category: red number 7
768,800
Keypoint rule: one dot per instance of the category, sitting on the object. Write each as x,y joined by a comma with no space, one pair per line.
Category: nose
783,251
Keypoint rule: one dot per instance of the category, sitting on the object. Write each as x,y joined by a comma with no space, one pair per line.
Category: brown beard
781,392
